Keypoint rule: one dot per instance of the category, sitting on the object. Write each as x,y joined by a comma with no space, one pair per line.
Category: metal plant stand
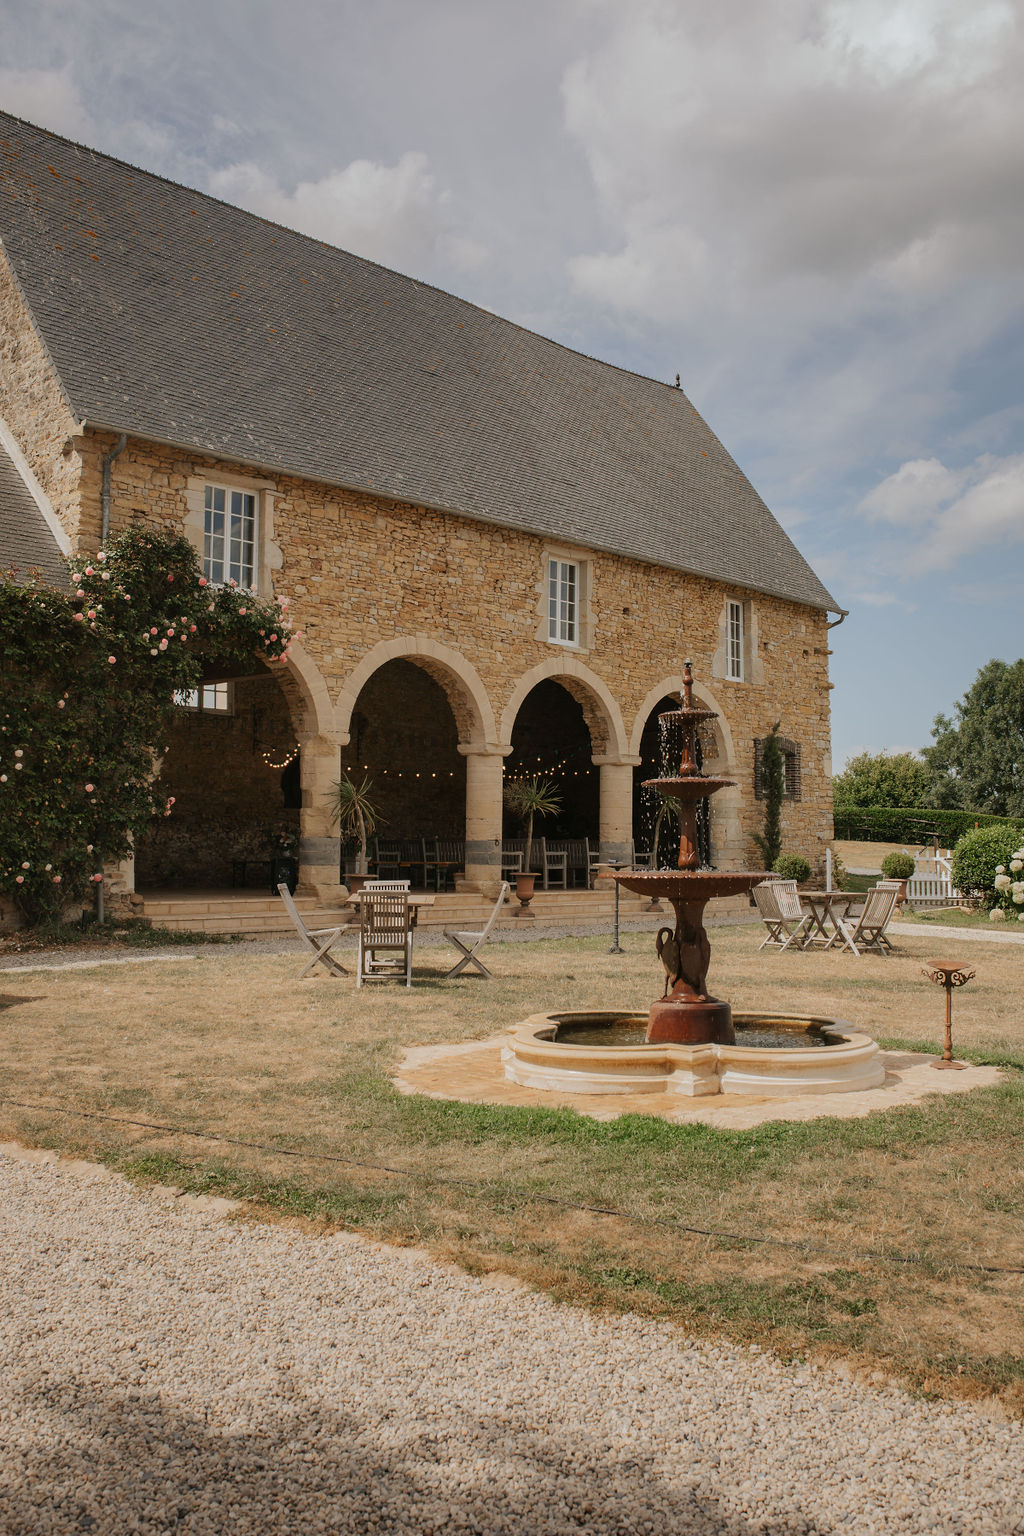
948,975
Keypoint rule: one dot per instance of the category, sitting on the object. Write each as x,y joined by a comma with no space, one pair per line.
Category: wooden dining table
414,899
829,907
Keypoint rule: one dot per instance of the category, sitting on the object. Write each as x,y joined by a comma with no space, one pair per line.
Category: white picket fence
931,884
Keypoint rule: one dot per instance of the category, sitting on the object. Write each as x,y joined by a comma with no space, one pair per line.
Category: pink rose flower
202,581
19,879
154,630
89,788
89,570
92,613
242,611
56,879
80,592
26,865
170,577
112,659
80,617
163,645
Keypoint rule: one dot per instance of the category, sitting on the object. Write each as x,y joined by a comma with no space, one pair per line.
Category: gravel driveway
163,1370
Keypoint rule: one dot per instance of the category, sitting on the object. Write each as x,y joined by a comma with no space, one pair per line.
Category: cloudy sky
812,210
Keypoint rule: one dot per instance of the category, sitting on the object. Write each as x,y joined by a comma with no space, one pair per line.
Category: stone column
616,822
319,842
484,776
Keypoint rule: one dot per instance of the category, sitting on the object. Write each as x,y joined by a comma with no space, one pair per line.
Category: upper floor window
734,640
563,601
211,698
229,536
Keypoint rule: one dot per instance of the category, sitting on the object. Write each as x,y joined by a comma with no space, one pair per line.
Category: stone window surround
753,666
583,560
267,556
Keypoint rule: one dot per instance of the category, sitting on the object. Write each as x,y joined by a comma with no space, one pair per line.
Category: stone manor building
499,550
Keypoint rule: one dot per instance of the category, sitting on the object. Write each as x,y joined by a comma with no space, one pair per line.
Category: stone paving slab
473,1074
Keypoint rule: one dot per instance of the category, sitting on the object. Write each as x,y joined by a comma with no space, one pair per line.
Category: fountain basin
811,1054
696,885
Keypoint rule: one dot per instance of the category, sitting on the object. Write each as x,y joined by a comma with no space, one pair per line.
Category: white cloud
392,214
48,97
818,199
953,512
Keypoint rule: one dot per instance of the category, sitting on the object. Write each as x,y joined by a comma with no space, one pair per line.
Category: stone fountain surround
690,1045
533,1058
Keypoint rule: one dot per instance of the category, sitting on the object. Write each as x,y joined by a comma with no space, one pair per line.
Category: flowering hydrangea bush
1008,887
88,683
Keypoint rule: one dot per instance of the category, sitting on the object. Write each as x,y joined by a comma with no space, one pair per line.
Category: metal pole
616,948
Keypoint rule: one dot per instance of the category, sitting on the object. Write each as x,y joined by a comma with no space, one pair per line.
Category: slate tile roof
176,317
26,541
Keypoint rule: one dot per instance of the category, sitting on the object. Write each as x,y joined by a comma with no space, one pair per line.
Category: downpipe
105,493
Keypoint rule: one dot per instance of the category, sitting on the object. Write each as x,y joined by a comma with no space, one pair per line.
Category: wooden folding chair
385,935
778,904
471,943
318,939
879,906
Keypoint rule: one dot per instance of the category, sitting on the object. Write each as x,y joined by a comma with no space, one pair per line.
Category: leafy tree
978,756
773,787
88,678
889,779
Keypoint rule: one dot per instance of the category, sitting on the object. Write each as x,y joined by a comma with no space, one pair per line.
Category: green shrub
792,866
977,855
913,825
897,866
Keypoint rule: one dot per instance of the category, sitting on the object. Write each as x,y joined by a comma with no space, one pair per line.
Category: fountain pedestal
686,1014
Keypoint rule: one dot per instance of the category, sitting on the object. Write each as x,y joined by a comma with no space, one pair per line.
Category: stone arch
465,692
602,714
725,763
308,697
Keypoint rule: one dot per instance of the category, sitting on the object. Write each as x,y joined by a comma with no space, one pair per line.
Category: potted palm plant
357,817
528,799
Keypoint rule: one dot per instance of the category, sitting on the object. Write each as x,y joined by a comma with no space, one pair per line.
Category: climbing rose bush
88,681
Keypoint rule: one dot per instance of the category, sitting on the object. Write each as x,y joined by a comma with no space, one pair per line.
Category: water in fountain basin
631,1031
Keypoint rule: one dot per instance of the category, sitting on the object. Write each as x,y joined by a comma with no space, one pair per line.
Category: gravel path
164,1370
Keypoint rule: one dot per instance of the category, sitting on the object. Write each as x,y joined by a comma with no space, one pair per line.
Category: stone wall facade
35,408
372,580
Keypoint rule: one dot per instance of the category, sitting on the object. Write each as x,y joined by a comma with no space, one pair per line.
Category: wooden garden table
828,907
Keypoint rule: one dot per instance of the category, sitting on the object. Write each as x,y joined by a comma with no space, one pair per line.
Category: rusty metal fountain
689,1042
686,1014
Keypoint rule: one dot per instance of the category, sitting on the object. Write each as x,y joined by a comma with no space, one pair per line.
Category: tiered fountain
690,1042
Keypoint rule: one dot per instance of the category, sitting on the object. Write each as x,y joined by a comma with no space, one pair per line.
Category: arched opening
403,738
551,740
232,767
659,753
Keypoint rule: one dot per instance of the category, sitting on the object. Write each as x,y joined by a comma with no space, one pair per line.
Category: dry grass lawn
233,1045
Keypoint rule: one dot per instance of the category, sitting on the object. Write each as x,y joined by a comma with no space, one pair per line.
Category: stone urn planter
524,890
355,883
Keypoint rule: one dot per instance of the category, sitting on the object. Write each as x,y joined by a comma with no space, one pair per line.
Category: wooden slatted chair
512,850
385,935
555,862
319,940
388,862
471,943
778,904
869,932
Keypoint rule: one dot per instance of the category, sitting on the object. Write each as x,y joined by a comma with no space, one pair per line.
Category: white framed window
734,641
210,698
563,602
229,535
